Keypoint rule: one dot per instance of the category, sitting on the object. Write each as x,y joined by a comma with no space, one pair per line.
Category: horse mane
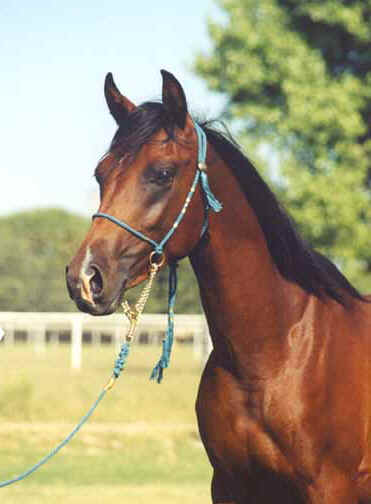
139,127
295,259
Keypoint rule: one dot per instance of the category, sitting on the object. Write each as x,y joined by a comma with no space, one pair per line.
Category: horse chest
230,430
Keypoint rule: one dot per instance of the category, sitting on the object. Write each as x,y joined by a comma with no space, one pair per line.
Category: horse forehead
166,147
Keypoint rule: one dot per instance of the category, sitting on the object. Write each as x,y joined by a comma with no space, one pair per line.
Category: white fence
40,329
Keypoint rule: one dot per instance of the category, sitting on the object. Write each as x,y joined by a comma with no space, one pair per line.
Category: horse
284,405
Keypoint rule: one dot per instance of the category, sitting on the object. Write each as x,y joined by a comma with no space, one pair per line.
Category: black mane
294,258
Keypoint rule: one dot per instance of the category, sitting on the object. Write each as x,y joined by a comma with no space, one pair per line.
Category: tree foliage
297,75
35,248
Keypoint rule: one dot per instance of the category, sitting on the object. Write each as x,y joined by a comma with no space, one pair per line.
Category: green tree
297,75
35,248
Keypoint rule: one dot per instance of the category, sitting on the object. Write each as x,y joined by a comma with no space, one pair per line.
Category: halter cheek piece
158,247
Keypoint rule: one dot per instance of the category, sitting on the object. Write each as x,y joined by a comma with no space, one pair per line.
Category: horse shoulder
229,430
318,405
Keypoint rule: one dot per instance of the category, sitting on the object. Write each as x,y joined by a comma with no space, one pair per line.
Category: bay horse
284,404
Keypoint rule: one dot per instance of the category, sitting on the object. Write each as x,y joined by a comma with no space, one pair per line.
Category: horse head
144,180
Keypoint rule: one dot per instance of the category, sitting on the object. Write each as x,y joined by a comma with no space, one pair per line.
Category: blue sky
54,124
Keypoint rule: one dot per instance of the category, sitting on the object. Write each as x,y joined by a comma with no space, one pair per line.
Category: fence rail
41,329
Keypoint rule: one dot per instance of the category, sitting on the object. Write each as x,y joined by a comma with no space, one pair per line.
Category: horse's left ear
174,99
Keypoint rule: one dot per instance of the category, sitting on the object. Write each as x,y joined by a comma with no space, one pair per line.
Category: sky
54,122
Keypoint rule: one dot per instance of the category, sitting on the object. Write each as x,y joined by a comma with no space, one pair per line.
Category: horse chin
117,299
95,310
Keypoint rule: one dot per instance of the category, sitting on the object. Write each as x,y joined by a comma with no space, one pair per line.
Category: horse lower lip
82,305
93,309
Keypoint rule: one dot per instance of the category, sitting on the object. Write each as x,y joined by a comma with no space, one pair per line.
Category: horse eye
165,175
162,175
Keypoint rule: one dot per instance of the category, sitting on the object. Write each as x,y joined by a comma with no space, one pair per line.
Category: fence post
117,338
38,338
76,342
9,334
54,338
95,337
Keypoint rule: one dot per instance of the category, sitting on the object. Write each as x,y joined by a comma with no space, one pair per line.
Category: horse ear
118,105
174,99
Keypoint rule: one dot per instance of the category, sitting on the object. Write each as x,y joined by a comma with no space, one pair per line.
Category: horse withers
284,403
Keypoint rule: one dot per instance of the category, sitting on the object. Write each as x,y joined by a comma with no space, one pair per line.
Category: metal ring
152,258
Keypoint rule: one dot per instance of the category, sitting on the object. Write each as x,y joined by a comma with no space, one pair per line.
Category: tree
297,75
35,248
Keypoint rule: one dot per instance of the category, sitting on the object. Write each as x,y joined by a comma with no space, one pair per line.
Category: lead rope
133,316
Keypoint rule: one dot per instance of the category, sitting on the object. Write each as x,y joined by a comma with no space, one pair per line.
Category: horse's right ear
118,104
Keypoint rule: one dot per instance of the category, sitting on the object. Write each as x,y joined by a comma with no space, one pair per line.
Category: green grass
97,494
141,445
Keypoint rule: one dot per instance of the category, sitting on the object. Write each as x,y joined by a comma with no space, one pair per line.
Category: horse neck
248,304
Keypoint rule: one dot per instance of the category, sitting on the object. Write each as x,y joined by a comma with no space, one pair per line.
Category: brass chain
133,314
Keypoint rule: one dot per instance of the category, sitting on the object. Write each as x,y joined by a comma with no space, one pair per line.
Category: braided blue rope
58,447
121,359
118,367
167,343
133,231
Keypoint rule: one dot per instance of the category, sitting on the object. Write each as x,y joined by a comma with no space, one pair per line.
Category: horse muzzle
89,288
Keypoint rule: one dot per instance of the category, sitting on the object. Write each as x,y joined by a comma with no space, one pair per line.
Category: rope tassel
167,343
212,202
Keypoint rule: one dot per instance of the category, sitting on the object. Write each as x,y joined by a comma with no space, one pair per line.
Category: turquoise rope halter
158,370
210,203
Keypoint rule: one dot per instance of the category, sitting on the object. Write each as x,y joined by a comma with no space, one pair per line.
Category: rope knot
121,359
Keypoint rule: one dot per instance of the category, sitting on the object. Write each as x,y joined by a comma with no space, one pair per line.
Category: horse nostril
96,281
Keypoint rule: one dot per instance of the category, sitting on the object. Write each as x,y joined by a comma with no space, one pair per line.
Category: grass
141,444
97,494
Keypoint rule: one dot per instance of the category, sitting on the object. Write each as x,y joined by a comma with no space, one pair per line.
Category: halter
157,373
210,202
